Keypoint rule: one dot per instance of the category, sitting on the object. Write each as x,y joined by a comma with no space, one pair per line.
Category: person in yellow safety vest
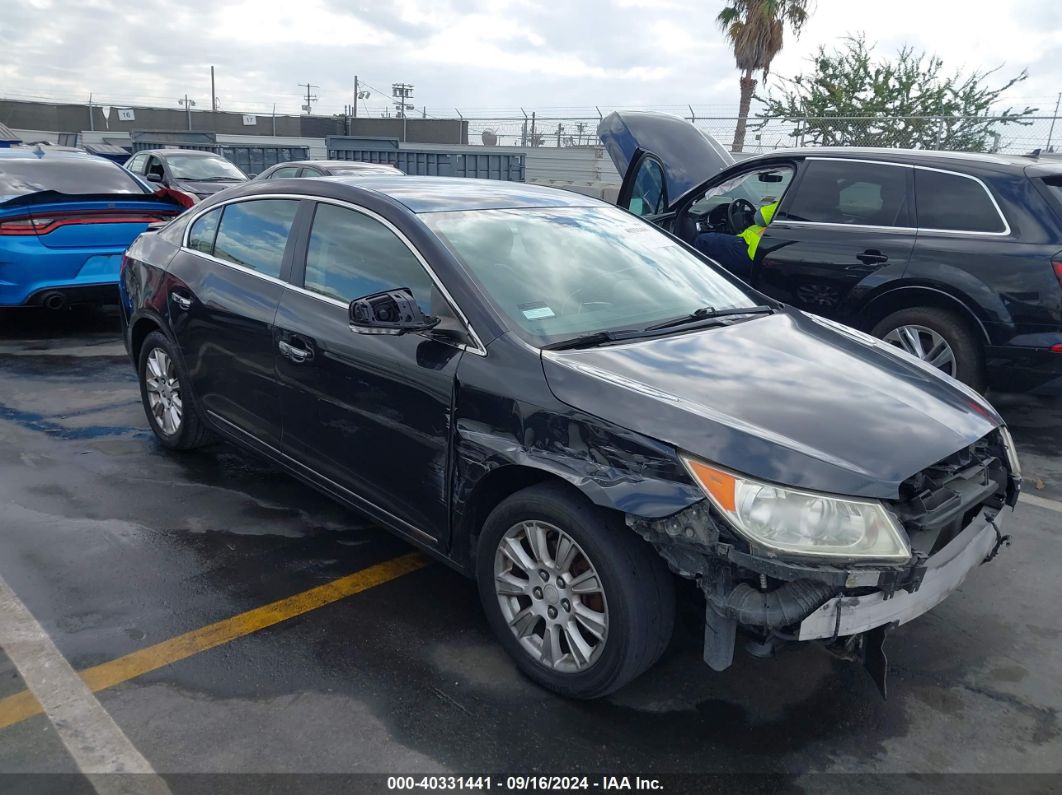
737,252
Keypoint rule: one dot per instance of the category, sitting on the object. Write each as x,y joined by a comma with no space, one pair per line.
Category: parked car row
955,258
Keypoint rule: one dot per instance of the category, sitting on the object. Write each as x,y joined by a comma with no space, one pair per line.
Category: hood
787,398
689,155
204,189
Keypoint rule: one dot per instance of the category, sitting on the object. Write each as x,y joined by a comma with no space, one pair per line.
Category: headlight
1011,450
797,522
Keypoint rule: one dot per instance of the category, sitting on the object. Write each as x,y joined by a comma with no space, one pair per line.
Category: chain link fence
999,134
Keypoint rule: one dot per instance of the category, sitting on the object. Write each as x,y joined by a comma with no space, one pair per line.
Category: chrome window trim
235,266
479,349
1006,225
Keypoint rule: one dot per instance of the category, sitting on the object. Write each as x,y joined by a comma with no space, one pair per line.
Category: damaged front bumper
779,601
941,574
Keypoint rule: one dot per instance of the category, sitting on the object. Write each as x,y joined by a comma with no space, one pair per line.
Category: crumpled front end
950,513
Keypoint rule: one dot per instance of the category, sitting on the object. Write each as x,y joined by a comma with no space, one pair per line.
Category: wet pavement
115,545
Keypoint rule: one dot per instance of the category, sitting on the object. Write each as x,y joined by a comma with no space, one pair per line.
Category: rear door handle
182,301
872,257
297,354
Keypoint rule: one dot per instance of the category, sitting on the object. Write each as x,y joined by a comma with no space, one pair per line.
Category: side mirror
389,312
152,177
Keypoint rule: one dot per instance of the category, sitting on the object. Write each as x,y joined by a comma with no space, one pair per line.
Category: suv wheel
937,337
581,602
167,399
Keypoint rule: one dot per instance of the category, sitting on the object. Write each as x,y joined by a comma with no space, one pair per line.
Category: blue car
66,218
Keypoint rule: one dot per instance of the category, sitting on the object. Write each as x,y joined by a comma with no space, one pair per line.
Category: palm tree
755,29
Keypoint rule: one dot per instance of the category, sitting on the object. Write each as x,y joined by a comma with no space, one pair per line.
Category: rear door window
955,203
852,193
254,234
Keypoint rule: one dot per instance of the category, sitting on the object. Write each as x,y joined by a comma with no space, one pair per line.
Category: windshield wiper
596,338
710,313
211,179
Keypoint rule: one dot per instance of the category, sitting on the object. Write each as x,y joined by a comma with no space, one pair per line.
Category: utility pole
92,120
213,94
188,105
402,93
310,96
1051,132
359,94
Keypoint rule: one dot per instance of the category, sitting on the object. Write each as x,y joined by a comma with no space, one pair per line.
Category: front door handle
872,257
183,302
296,354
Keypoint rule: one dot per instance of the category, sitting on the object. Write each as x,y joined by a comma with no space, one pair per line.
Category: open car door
661,158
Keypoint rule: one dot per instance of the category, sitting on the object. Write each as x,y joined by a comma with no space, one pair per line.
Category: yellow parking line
23,705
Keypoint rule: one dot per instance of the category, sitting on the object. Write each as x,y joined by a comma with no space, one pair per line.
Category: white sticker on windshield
538,312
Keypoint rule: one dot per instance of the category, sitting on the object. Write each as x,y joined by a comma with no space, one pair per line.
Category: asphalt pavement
228,619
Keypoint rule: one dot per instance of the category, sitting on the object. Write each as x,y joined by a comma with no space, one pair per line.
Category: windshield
74,176
193,168
563,272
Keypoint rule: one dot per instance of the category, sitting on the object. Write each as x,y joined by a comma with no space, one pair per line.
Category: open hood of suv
688,155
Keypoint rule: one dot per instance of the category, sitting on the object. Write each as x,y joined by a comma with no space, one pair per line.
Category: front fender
639,478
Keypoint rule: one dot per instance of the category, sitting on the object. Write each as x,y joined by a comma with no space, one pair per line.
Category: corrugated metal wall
442,161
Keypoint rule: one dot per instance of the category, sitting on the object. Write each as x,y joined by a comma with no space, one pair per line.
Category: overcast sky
477,55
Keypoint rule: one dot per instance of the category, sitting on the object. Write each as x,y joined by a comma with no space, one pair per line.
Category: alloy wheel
551,596
164,392
925,344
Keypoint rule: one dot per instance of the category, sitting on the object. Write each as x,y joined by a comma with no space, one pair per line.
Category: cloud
471,54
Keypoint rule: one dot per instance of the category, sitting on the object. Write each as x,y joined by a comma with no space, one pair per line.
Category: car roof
451,194
176,151
338,164
926,157
47,152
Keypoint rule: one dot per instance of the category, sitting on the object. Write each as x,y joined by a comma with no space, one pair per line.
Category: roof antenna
1035,154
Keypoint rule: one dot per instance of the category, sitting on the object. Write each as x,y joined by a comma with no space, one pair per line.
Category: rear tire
167,396
920,331
589,627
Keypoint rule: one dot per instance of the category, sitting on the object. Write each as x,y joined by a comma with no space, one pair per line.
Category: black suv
955,258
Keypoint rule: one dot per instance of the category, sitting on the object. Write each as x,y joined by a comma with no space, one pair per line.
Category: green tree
852,98
755,29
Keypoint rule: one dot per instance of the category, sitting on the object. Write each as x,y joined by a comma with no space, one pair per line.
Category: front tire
167,398
937,337
580,602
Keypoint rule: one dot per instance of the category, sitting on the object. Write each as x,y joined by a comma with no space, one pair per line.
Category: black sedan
956,258
566,403
328,168
195,173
